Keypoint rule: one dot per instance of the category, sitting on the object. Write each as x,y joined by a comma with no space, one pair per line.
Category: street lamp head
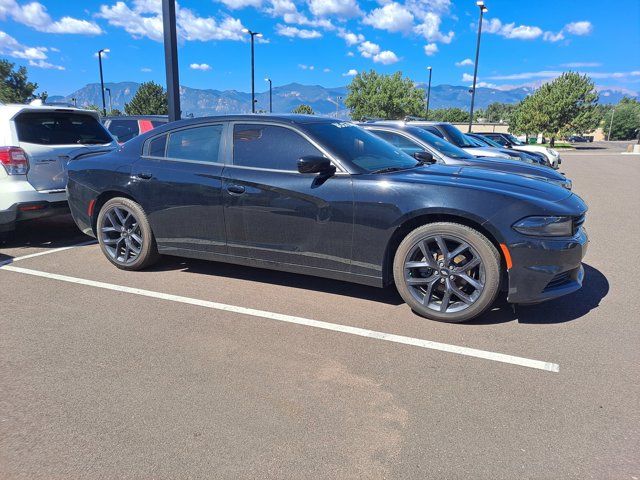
428,68
259,35
267,79
104,50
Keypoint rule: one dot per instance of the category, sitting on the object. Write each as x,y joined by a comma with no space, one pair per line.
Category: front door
178,182
277,214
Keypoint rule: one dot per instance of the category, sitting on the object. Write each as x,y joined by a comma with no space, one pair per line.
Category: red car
126,127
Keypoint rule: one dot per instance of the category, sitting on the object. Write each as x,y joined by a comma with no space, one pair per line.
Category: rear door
52,138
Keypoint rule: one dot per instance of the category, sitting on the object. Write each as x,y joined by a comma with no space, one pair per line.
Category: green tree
93,107
453,115
150,99
390,97
626,120
499,112
14,86
564,106
114,113
303,109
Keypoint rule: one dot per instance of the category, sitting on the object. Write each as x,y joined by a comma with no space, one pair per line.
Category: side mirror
315,164
424,157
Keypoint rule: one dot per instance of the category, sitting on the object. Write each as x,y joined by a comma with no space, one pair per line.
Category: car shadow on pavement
564,309
53,232
336,287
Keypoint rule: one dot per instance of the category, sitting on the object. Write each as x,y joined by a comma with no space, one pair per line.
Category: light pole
104,105
338,105
110,105
253,87
483,10
428,92
171,58
613,112
270,94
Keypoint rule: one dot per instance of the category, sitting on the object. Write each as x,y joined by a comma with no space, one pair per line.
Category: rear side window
123,130
60,128
200,144
269,146
157,146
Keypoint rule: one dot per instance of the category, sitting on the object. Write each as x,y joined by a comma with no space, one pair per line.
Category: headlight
545,226
566,183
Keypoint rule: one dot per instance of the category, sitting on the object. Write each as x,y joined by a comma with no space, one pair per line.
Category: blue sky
324,41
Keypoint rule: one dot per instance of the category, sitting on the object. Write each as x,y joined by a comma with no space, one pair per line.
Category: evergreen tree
150,99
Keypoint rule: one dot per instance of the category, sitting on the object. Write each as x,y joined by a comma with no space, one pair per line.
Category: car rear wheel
447,272
125,235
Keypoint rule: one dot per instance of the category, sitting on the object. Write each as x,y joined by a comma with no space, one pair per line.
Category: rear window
200,144
123,130
60,128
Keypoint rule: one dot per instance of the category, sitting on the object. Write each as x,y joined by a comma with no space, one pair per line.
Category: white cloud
338,8
237,4
35,15
553,37
580,64
430,49
509,30
386,57
36,56
350,54
145,20
294,32
351,73
368,49
467,62
306,67
430,29
466,77
350,37
556,73
579,28
391,17
200,66
145,70
326,70
485,84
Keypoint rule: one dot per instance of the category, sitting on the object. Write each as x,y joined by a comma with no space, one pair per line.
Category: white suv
36,143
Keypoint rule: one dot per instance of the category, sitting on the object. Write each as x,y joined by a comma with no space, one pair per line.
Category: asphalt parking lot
205,370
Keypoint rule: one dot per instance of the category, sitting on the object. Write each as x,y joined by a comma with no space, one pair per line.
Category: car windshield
514,140
456,137
365,150
440,144
487,141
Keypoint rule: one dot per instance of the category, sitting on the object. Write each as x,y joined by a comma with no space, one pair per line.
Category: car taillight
14,160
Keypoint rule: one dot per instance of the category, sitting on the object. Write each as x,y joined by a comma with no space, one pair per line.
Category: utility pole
104,105
483,10
613,112
253,87
110,104
171,58
270,94
428,92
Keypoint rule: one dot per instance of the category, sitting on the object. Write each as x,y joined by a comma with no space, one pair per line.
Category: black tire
148,252
415,284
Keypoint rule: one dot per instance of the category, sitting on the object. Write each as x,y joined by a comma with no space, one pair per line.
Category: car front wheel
125,235
447,272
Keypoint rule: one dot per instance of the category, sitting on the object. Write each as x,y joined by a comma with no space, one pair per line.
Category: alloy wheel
444,273
121,235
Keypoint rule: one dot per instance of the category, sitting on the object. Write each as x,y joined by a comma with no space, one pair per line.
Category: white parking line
388,337
47,252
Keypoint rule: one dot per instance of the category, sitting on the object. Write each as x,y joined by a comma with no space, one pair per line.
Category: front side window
61,128
269,146
400,141
200,144
441,145
514,140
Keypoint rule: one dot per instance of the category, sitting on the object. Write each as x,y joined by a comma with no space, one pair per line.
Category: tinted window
123,130
360,147
434,131
268,146
456,137
440,144
400,141
157,123
60,128
498,139
197,143
157,146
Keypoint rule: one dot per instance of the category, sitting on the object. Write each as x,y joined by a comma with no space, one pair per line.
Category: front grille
559,280
578,222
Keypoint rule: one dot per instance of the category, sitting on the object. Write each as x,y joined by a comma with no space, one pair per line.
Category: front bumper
545,268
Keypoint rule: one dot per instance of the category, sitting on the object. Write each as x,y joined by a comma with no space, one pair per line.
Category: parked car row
325,197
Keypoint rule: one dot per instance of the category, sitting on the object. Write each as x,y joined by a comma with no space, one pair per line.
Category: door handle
144,175
236,189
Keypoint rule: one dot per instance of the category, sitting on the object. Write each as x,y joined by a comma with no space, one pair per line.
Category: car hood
486,152
471,177
532,148
516,166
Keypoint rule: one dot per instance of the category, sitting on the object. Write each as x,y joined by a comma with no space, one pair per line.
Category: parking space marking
47,252
362,332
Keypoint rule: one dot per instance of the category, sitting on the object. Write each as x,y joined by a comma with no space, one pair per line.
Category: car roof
400,126
292,119
137,117
13,108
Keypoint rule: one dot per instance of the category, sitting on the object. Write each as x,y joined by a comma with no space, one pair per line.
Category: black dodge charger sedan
323,197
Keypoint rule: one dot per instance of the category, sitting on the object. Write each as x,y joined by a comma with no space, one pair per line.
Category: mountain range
202,102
